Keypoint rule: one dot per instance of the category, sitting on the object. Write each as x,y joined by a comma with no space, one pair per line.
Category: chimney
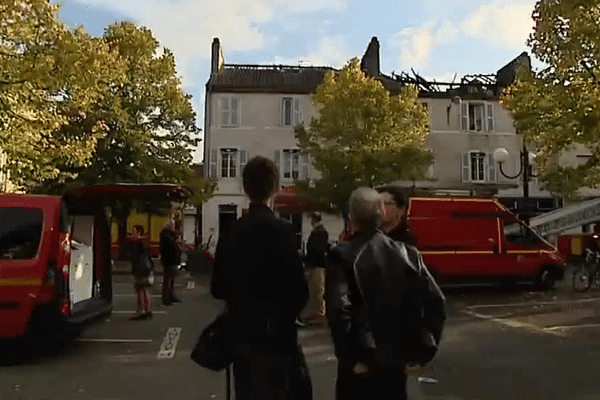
217,59
370,61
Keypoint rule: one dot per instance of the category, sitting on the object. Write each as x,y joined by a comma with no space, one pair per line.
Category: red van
465,239
55,255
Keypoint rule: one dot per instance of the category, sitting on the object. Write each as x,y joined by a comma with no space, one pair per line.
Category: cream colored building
251,110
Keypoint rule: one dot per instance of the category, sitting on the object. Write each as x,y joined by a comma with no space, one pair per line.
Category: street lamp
526,158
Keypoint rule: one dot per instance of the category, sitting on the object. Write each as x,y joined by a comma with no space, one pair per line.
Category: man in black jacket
394,219
315,261
170,257
259,273
385,312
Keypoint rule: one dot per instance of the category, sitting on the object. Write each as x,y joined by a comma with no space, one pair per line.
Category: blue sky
437,38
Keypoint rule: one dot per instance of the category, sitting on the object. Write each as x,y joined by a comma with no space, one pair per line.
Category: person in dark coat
315,261
394,219
170,257
375,322
259,273
142,268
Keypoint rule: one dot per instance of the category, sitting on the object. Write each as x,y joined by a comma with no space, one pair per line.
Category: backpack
402,287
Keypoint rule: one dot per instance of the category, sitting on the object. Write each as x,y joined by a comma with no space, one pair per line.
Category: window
230,111
20,233
478,166
291,111
477,116
228,163
292,164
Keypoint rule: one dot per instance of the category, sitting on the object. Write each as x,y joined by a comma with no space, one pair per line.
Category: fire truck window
20,233
517,233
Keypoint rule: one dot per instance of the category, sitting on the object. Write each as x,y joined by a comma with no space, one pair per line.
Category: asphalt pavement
499,343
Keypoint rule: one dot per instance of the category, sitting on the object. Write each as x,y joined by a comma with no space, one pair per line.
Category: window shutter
225,111
297,112
465,167
286,112
492,171
276,159
243,160
235,111
304,166
213,163
490,116
464,116
480,118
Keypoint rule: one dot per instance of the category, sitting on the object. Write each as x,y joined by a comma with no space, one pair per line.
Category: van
55,255
478,239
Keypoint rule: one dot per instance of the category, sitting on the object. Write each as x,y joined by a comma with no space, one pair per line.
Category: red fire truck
55,255
480,239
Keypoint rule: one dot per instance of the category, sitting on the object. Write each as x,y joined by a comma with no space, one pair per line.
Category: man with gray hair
384,309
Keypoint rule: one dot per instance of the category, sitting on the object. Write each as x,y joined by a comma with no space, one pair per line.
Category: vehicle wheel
581,279
547,279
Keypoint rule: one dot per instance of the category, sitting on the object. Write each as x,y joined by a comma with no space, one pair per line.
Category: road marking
552,328
190,285
535,303
134,312
99,340
507,322
169,344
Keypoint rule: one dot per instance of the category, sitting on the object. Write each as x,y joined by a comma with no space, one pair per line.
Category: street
499,343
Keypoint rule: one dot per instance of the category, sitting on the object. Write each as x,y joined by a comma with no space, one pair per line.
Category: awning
151,191
289,202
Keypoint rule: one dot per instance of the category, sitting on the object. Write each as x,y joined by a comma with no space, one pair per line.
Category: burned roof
267,78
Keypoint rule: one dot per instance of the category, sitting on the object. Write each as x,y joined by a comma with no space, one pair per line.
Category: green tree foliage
47,74
362,136
558,108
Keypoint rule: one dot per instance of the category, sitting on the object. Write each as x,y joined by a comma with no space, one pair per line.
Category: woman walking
143,272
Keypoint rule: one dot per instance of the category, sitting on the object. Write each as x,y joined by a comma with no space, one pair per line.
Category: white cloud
303,6
331,51
504,25
415,43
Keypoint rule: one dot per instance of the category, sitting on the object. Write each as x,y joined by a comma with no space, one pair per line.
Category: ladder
569,217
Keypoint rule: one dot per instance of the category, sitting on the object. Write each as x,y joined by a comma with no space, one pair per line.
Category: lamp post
526,158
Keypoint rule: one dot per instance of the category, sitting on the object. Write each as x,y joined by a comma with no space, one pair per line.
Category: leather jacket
404,311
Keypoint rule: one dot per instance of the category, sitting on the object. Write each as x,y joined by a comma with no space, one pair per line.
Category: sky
436,38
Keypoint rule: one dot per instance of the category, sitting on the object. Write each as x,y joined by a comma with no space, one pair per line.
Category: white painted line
133,312
507,322
190,285
534,303
169,344
556,328
113,340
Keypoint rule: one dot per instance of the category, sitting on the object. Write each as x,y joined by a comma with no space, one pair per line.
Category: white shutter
304,166
243,160
465,167
225,111
213,163
464,116
235,111
492,171
277,162
297,112
490,116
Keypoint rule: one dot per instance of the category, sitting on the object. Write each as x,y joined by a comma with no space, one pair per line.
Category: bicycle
587,272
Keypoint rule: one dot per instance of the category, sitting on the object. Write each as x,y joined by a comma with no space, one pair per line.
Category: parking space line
507,322
169,344
191,285
564,327
534,303
100,340
133,312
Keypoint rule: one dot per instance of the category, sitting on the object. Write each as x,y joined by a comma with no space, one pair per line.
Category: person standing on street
315,261
394,219
142,268
258,272
170,256
385,312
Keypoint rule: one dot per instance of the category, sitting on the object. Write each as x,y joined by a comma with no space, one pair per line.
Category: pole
525,161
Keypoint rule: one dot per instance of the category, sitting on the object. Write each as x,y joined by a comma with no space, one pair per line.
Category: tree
558,107
48,74
362,136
